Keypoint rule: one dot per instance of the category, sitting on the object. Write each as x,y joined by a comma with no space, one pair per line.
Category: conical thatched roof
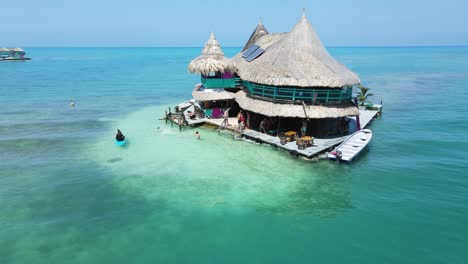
290,110
212,59
259,32
297,58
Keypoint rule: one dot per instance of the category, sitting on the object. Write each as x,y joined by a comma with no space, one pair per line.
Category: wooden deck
320,145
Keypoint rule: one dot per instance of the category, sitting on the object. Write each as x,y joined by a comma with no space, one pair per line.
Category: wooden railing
273,93
212,83
298,94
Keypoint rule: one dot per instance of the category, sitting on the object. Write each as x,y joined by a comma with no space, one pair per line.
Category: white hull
352,146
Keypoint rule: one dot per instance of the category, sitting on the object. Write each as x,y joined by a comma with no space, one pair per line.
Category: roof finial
260,22
212,35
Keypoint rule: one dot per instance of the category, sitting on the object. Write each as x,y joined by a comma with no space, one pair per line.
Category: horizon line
333,46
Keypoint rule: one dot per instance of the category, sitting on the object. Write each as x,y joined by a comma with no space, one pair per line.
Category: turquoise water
69,195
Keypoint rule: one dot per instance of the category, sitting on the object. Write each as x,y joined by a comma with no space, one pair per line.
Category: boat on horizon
13,54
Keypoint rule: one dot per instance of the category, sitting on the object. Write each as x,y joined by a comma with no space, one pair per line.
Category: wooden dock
320,145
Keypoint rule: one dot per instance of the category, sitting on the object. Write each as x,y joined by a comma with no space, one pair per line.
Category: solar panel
250,50
254,55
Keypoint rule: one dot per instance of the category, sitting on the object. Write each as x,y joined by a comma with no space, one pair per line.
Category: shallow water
68,194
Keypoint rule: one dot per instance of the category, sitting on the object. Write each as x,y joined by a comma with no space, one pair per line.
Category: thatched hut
12,54
289,76
216,76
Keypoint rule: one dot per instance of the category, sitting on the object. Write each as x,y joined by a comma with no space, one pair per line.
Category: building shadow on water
66,208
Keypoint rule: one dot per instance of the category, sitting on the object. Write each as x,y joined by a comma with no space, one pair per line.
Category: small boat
120,143
352,146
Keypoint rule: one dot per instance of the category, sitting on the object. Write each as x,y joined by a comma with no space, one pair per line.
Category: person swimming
197,135
119,136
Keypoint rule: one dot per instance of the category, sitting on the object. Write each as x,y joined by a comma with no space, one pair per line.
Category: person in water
197,135
119,136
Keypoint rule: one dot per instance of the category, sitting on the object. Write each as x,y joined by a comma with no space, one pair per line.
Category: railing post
328,95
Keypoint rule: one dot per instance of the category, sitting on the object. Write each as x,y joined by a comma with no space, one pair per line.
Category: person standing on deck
226,117
243,121
262,126
303,128
239,120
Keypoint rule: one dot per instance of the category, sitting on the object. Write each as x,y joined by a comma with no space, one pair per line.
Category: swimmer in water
72,104
197,135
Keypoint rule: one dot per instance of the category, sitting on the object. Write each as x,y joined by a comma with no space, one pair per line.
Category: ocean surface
69,195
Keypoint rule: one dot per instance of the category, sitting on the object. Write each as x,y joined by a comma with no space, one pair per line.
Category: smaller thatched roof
212,59
259,32
4,50
289,110
211,94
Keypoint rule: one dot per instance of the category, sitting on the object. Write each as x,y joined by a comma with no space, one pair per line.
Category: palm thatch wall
290,110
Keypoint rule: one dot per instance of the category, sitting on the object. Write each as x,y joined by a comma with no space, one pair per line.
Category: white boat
352,146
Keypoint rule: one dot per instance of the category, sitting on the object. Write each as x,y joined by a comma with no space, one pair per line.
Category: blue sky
188,23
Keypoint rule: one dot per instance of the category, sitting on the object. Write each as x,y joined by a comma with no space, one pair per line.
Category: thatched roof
212,59
15,49
297,58
211,94
4,50
259,32
289,110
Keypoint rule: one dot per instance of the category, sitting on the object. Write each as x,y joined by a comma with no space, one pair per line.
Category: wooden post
166,117
278,130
